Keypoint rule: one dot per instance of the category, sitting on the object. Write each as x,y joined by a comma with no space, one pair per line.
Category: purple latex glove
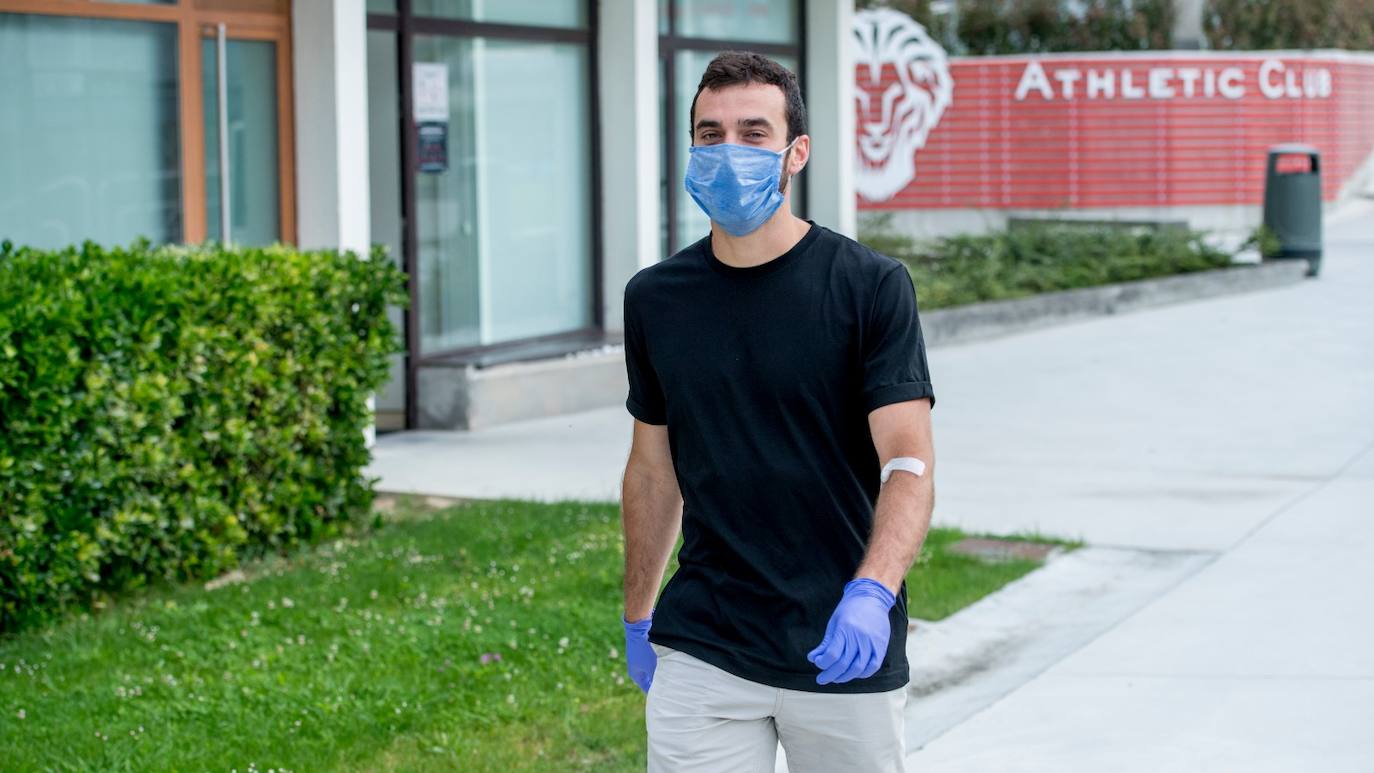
856,638
640,658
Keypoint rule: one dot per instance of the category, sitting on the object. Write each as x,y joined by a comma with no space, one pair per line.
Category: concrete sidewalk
1243,426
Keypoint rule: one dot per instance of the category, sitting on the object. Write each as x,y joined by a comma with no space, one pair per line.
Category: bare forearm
900,522
651,507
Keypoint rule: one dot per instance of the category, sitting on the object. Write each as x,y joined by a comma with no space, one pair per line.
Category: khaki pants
701,718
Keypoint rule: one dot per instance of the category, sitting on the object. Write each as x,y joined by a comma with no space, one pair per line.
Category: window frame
405,24
669,44
194,20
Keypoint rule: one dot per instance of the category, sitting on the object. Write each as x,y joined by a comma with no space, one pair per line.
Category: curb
992,319
975,657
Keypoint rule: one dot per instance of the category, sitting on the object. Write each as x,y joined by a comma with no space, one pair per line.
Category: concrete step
465,396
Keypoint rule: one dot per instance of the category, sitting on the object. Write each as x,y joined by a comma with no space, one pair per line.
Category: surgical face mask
736,185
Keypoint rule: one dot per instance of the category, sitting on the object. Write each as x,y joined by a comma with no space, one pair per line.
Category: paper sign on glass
430,86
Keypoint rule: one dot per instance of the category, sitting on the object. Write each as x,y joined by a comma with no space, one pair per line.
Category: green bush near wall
1038,258
166,412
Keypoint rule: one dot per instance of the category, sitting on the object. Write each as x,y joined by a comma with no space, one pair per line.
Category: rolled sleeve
645,400
894,352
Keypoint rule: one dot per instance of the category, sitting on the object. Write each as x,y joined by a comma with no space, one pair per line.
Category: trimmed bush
1038,258
166,412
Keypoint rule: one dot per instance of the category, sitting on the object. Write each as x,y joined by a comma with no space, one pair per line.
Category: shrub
1038,258
166,412
1247,25
981,27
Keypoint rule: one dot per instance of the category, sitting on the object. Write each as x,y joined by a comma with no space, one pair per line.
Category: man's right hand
639,656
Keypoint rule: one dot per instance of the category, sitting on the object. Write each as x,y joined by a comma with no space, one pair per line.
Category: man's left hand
856,638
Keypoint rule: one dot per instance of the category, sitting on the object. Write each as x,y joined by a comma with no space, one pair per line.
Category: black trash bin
1293,203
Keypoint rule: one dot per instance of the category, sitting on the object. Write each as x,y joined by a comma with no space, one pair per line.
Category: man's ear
802,139
787,164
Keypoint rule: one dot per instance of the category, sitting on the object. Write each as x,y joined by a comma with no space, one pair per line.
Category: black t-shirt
765,376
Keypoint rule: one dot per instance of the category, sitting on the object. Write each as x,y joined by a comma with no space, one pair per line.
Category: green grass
367,653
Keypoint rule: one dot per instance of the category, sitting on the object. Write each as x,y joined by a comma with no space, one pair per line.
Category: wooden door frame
192,18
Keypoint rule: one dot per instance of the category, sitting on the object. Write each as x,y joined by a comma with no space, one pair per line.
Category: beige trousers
702,718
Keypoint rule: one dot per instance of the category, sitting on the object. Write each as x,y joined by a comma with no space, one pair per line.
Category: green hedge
166,412
1038,258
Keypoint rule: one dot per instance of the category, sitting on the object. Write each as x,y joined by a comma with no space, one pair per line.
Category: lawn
483,636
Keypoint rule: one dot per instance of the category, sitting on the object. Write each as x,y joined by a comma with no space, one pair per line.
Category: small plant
1264,240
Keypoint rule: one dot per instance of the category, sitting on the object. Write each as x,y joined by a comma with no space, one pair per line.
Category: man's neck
772,239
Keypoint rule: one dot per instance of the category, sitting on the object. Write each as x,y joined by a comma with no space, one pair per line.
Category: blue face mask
736,185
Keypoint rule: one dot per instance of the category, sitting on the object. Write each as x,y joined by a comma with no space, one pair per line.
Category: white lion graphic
895,119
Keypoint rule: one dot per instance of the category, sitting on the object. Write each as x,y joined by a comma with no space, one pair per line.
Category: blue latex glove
640,658
856,638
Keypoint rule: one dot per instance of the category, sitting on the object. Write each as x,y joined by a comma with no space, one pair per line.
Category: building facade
519,159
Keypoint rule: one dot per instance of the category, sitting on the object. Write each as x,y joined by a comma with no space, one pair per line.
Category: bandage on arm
909,463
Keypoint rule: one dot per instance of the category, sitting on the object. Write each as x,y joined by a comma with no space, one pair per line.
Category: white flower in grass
21,714
614,653
510,697
563,643
287,603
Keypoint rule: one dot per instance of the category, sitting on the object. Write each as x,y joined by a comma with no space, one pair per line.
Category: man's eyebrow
710,123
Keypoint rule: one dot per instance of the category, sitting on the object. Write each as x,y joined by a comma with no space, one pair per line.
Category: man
776,368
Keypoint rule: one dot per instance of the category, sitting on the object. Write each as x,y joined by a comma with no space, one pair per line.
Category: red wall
991,150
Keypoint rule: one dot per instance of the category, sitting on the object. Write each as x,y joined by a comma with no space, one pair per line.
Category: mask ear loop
787,155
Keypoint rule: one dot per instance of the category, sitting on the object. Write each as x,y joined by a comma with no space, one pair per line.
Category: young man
775,369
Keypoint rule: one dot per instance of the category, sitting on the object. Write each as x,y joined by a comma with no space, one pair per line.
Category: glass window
762,21
543,13
692,223
384,179
504,230
88,130
381,6
251,92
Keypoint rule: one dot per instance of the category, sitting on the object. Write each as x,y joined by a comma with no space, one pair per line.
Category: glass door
239,98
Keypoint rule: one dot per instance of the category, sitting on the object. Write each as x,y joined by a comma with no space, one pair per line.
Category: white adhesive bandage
909,463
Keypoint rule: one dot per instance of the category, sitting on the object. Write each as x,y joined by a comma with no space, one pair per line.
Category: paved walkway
1242,425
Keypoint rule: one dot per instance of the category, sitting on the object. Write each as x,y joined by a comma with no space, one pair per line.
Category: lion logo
902,89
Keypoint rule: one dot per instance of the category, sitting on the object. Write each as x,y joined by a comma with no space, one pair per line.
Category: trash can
1293,203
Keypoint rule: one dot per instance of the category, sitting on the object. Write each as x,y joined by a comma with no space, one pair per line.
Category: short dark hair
732,68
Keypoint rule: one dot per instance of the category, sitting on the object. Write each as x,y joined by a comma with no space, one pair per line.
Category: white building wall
329,43
829,57
631,132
